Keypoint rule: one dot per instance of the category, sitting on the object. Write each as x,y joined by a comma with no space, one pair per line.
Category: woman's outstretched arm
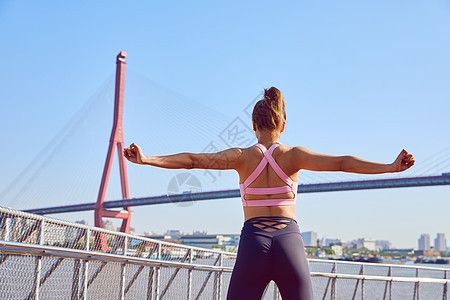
224,160
310,160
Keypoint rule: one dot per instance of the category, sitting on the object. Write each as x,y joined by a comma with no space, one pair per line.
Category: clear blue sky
359,78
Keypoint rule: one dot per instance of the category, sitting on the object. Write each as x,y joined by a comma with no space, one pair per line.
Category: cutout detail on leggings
270,223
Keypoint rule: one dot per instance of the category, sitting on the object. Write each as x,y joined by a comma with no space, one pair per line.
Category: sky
359,78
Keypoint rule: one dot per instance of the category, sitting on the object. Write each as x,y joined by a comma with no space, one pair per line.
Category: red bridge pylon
115,140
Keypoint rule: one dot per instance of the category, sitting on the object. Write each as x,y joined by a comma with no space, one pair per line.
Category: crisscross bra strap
268,158
291,185
258,169
275,166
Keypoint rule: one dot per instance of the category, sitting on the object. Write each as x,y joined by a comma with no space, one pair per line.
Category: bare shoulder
244,157
301,157
232,154
299,151
296,152
235,151
239,155
245,153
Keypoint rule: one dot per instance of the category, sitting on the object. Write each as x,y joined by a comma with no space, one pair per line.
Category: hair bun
273,97
269,113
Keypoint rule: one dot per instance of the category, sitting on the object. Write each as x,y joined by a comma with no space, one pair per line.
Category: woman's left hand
403,162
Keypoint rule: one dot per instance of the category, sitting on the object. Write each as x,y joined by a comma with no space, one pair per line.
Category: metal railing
47,258
355,280
81,258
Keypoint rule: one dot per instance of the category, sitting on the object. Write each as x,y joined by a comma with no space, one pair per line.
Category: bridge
235,193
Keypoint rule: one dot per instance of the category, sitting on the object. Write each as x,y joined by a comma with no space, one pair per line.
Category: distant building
228,242
198,232
337,249
402,251
319,243
366,243
208,240
132,230
440,242
332,242
430,252
348,245
83,222
109,225
424,242
174,232
310,238
382,245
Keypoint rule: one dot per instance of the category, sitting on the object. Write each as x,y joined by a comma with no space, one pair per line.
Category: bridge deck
235,193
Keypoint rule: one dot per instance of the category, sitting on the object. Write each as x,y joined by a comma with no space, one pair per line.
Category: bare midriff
265,211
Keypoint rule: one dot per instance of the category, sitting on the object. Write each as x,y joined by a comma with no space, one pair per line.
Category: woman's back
268,178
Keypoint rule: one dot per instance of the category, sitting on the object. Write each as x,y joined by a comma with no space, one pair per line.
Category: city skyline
310,238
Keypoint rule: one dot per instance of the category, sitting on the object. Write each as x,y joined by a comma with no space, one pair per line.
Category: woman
271,247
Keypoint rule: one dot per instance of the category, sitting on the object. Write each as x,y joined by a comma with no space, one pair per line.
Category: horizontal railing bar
324,261
51,251
379,278
22,214
235,193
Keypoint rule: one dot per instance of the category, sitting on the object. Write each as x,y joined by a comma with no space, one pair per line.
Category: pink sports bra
290,187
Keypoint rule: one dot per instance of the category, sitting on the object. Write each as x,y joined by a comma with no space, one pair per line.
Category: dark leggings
263,256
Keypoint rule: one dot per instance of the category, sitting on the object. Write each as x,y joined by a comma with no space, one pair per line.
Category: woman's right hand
134,154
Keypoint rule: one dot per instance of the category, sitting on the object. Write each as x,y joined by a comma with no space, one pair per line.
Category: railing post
87,237
219,294
76,275
362,282
333,282
390,283
37,271
151,275
330,281
124,265
444,293
7,232
416,286
76,279
158,274
189,287
217,288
